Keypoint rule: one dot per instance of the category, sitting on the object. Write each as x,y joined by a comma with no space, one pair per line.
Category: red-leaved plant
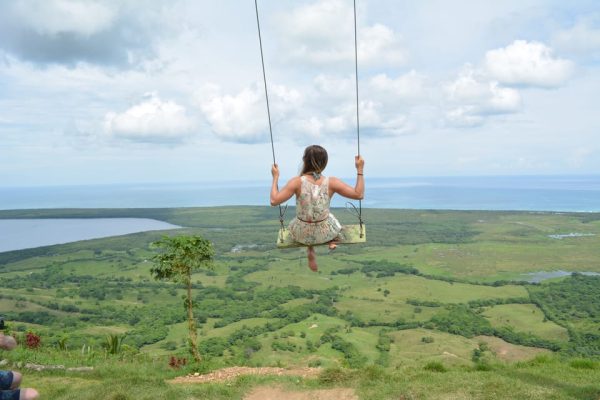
176,363
32,341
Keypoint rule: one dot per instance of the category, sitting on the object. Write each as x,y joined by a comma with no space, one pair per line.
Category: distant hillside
445,287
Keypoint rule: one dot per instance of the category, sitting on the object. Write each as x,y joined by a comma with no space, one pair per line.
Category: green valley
435,303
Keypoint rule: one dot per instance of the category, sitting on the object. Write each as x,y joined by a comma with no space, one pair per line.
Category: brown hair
315,159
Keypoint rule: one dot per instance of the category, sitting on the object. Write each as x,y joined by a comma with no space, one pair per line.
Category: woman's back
312,203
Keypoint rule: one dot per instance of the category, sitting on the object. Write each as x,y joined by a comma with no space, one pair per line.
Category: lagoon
17,234
540,276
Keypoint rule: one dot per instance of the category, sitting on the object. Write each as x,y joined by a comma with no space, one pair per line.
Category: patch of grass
526,318
583,363
435,366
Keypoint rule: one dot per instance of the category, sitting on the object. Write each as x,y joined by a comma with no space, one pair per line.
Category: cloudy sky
150,91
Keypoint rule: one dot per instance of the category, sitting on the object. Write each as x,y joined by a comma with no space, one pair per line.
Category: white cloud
380,95
528,64
471,97
408,86
380,45
463,116
243,117
473,89
380,87
376,120
153,120
323,33
334,86
312,127
582,39
52,17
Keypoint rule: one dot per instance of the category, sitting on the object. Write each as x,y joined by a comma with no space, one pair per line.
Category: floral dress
314,224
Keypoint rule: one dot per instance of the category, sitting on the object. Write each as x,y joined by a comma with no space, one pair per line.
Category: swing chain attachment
358,214
282,220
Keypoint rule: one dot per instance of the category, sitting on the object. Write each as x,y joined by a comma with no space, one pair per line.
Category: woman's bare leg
312,258
26,394
17,377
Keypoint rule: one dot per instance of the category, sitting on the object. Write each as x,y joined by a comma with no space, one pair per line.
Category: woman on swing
314,224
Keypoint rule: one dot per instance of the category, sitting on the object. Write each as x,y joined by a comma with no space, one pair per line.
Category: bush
170,345
315,363
435,366
482,366
32,341
427,339
335,375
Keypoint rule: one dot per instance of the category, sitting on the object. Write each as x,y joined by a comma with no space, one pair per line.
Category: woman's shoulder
295,180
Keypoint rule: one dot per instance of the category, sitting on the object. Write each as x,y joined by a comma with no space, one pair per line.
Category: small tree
179,258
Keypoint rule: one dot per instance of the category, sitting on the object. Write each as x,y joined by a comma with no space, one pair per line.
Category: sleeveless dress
314,224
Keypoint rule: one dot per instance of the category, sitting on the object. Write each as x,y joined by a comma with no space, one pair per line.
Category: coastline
507,193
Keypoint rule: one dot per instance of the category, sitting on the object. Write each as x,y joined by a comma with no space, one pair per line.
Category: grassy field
526,318
540,378
377,307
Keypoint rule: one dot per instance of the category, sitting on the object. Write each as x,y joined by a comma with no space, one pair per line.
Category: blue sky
149,91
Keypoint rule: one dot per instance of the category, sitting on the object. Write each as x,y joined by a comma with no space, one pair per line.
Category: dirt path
276,393
233,372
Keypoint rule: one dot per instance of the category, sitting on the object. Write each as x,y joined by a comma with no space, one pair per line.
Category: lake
16,234
537,277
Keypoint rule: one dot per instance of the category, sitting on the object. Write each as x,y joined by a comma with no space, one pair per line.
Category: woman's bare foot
312,259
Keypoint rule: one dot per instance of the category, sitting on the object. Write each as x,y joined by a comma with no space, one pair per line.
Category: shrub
315,363
482,366
32,341
335,375
169,345
176,363
435,366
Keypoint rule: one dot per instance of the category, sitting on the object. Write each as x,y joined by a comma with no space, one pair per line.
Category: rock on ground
275,393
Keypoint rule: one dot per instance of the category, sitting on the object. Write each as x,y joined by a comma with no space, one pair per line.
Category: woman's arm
358,191
283,195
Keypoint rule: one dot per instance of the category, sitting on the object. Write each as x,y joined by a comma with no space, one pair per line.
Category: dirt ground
276,393
233,372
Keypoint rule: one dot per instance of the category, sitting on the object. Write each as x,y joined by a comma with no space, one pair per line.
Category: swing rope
357,212
262,60
359,215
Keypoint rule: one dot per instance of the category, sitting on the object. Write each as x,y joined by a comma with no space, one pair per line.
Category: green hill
431,291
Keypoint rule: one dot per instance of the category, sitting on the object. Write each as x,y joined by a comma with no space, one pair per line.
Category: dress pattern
314,224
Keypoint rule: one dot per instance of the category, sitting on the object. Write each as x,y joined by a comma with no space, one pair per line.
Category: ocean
533,193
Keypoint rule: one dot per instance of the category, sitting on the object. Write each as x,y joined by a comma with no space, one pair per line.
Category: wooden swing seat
349,234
